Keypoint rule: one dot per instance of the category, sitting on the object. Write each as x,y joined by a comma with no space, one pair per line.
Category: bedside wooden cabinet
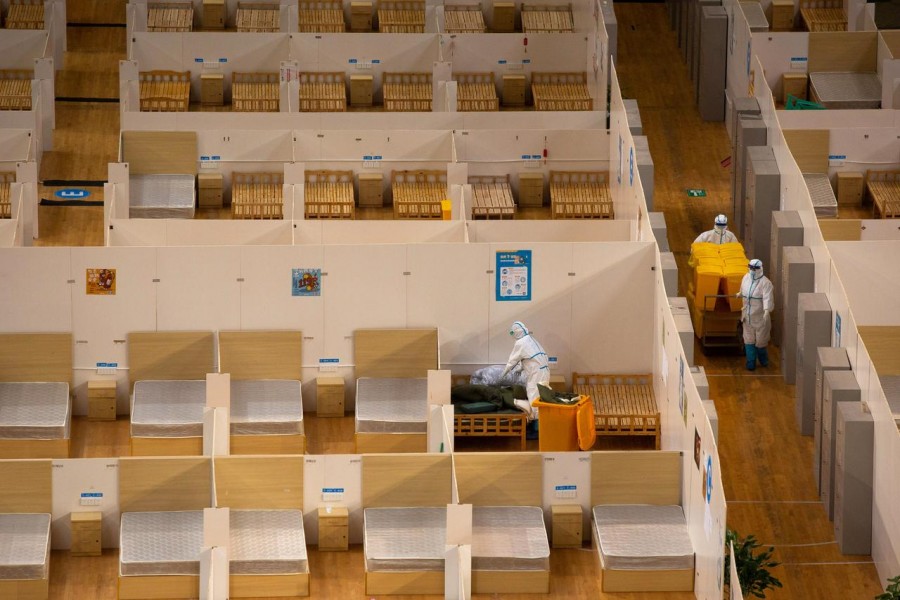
371,190
781,15
212,89
102,400
213,15
86,528
209,190
333,528
329,396
531,189
361,16
794,84
513,90
361,90
849,188
567,525
504,17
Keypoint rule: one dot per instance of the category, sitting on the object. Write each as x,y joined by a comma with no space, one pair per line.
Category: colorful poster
513,276
100,282
306,282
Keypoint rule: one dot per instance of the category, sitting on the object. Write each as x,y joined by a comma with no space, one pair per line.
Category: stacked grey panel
713,415
694,63
391,405
787,230
750,131
669,273
827,359
840,387
645,167
712,64
700,380
797,276
681,314
813,331
633,115
612,28
660,230
854,447
763,198
822,194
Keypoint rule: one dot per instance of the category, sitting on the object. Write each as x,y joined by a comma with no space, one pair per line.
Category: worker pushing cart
719,234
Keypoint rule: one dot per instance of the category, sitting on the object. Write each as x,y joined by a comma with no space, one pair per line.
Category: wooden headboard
836,51
636,477
170,355
261,354
160,152
406,480
492,479
260,482
809,148
149,484
27,486
36,357
395,352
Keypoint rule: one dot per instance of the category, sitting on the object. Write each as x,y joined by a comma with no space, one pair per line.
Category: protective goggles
753,267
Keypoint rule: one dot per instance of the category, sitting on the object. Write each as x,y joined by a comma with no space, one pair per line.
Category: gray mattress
823,199
34,410
642,536
391,405
24,546
847,90
267,542
161,196
168,408
266,407
756,17
509,538
161,543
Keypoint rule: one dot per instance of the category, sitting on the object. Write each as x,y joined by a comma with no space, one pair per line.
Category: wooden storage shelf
407,92
623,404
321,16
254,17
884,188
15,89
254,92
25,14
547,19
466,18
322,92
257,195
401,16
561,91
492,197
86,531
476,92
170,16
329,195
6,178
167,91
329,396
418,194
580,195
333,529
102,400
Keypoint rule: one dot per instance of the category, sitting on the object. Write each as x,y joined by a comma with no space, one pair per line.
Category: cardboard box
371,190
504,20
849,188
213,14
361,87
531,189
212,89
795,84
514,90
209,190
360,16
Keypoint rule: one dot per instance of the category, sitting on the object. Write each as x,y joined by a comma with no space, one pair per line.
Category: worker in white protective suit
756,291
529,352
719,234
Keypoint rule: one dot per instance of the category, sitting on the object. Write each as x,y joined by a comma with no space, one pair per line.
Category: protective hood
756,273
720,229
518,330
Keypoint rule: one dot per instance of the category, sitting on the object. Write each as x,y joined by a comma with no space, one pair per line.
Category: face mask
720,229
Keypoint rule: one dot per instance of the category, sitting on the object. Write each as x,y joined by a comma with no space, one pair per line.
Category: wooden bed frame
393,353
476,91
418,194
492,197
27,489
322,92
580,195
263,355
401,16
253,17
488,424
624,405
165,91
464,18
547,19
36,357
15,89
409,480
170,16
492,479
321,16
6,178
163,484
407,92
639,477
174,355
25,14
262,483
329,195
884,189
254,92
257,195
561,91
823,15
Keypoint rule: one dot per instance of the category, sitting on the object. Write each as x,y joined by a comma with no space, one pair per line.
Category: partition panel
198,288
35,293
391,145
246,146
158,50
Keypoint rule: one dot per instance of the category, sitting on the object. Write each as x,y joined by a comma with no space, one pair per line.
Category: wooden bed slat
252,17
257,195
329,195
407,92
255,92
624,404
25,14
884,188
418,194
401,16
580,195
547,19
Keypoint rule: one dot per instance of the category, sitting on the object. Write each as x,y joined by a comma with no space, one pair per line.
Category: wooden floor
766,463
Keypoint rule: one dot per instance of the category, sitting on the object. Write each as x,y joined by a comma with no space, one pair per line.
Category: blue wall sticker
72,194
306,282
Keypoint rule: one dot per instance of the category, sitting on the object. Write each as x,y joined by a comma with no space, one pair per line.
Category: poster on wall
306,282
682,395
837,330
513,276
100,282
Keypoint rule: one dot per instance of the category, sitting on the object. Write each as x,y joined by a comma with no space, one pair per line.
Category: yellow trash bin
445,210
706,284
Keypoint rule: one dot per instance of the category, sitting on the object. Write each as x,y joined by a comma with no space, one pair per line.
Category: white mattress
404,539
266,407
389,405
24,546
639,536
161,196
34,410
161,543
823,199
267,542
509,538
847,90
168,408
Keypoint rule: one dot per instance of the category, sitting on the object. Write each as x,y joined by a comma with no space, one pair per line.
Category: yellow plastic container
732,250
558,425
701,251
445,210
706,283
734,274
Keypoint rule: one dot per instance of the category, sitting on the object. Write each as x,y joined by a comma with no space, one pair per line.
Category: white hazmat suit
756,291
719,234
530,353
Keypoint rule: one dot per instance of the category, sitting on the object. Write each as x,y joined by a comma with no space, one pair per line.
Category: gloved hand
505,371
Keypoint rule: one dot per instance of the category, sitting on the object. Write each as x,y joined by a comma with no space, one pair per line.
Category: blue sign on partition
513,276
72,194
306,282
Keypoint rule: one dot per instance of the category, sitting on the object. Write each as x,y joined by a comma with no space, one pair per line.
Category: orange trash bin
558,424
